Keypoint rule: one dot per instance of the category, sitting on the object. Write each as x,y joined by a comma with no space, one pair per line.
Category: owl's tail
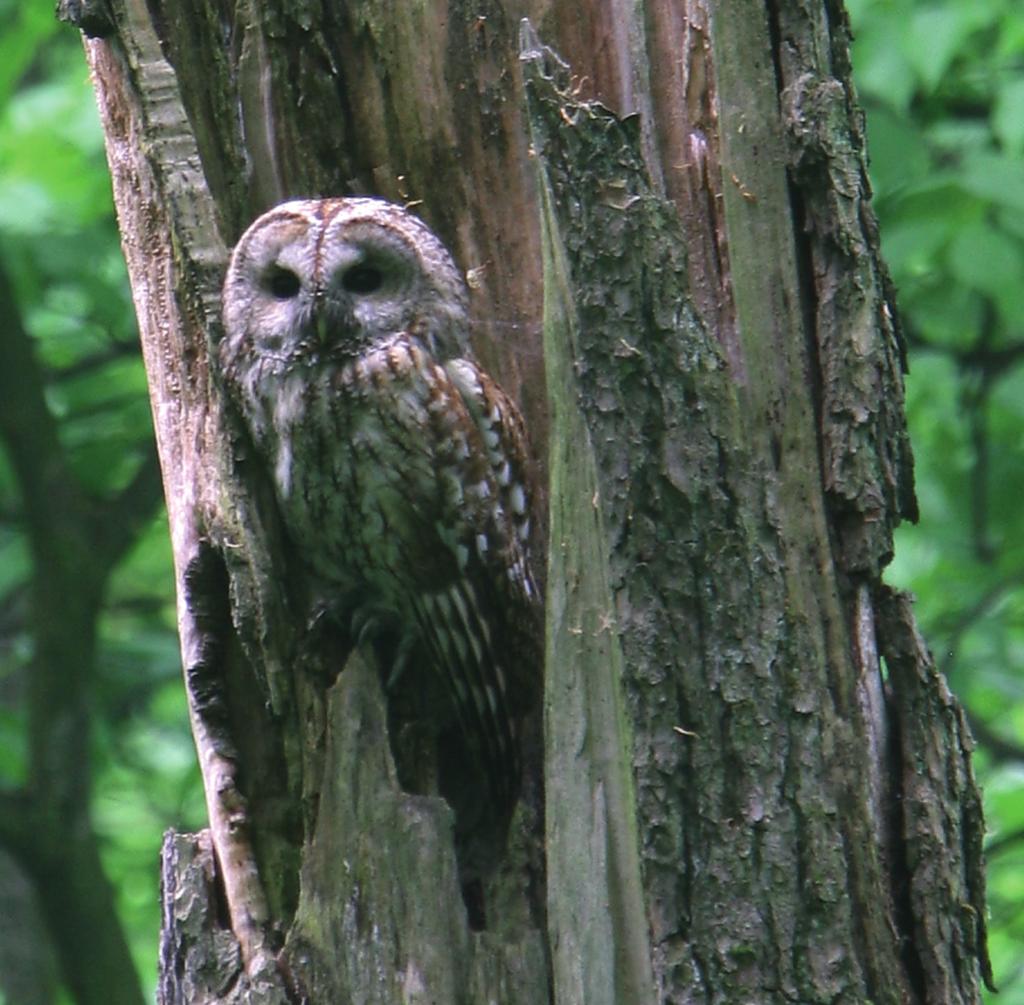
464,651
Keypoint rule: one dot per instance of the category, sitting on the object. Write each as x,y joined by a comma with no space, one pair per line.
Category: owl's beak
331,316
321,317
321,324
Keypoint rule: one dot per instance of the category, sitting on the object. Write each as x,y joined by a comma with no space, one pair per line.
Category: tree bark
757,786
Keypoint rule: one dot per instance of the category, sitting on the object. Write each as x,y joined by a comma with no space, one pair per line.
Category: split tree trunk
757,786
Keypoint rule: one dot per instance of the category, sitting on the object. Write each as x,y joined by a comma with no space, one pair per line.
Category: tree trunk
757,787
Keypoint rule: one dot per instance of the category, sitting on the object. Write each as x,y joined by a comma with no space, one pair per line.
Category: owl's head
329,279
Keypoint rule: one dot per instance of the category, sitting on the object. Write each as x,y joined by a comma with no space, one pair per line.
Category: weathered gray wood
380,914
199,956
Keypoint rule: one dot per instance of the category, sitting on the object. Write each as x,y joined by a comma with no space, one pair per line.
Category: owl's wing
503,433
483,628
456,629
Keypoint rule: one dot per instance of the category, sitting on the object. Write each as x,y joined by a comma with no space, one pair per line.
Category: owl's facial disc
314,282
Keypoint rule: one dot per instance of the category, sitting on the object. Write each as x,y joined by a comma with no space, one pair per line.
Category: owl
398,464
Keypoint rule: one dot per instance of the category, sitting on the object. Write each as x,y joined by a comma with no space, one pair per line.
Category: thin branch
1005,842
95,361
106,406
994,362
975,403
140,605
998,747
967,619
118,522
982,357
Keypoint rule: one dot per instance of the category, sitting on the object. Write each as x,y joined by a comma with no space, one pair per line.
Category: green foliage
942,84
60,246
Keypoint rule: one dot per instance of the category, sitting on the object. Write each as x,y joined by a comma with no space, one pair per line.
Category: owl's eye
282,283
362,279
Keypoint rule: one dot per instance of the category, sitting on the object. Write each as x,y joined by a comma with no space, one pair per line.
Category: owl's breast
372,460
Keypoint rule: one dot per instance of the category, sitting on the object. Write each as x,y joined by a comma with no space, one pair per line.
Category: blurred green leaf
1008,116
21,42
983,258
883,69
937,32
899,155
995,177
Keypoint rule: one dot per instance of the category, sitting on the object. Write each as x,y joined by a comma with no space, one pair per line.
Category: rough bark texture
739,807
